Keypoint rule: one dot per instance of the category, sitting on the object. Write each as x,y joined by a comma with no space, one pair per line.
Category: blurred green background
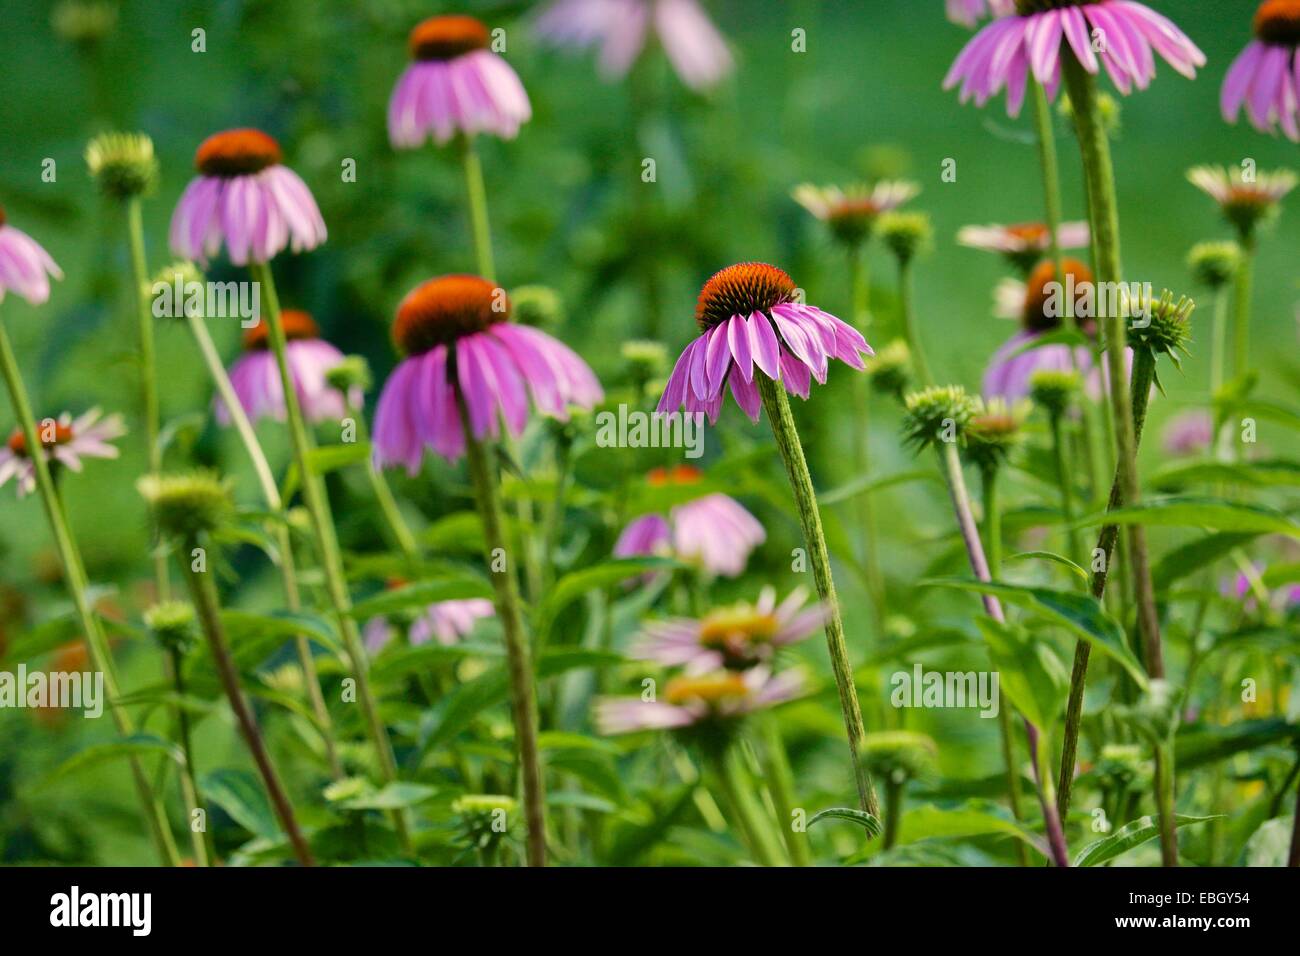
568,208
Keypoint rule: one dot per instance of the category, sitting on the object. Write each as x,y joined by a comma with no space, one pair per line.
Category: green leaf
1272,471
863,819
1054,557
1196,747
420,594
974,818
323,460
1190,512
397,662
866,485
1029,673
1194,555
1081,613
1129,836
577,583
1270,844
240,794
394,796
136,745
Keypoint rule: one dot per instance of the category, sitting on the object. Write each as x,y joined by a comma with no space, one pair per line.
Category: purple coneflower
1244,201
720,696
255,376
970,12
1023,244
851,213
715,529
620,28
1242,588
1265,78
245,198
25,267
447,622
459,325
63,442
1189,433
752,323
731,638
455,84
1004,52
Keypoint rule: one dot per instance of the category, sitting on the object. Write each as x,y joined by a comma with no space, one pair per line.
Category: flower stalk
862,442
780,782
476,193
189,785
724,760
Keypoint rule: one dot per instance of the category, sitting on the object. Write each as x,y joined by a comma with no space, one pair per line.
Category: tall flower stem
148,369
1144,369
1066,483
313,492
908,309
476,193
74,574
523,698
950,464
1051,169
738,789
1219,341
189,785
283,539
780,781
862,443
203,592
384,497
777,407
1241,314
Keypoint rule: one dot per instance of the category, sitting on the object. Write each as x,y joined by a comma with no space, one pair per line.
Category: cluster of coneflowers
471,378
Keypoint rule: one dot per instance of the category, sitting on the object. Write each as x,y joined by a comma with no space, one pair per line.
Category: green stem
1242,297
283,539
189,785
780,780
1066,482
204,594
74,575
317,503
148,369
478,209
862,451
893,810
387,502
1051,170
1219,341
1013,776
739,793
523,697
908,310
777,407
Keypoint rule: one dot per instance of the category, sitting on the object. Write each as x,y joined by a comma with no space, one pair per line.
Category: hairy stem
862,449
738,789
780,781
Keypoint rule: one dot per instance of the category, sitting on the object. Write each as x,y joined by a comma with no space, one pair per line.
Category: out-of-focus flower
460,325
1214,264
122,164
716,698
65,441
714,530
621,28
751,323
187,504
25,267
851,213
906,234
890,369
1245,201
1242,588
455,85
1053,390
938,413
995,431
172,625
1265,78
970,12
1023,244
246,199
1003,54
1189,433
255,376
447,622
731,638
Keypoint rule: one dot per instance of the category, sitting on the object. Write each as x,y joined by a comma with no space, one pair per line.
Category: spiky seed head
123,164
899,755
1214,264
890,369
906,234
1163,325
352,372
1053,390
937,414
171,624
995,431
189,504
537,305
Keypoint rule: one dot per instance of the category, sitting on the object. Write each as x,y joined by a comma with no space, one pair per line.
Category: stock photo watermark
631,428
39,690
940,690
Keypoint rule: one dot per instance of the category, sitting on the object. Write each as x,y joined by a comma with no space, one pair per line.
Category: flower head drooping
187,505
245,198
25,267
1023,244
1265,78
1189,433
1053,390
940,413
695,48
714,530
455,84
65,441
732,638
752,323
457,328
970,12
713,702
1245,201
851,214
1042,31
447,622
1214,264
255,376
995,430
123,164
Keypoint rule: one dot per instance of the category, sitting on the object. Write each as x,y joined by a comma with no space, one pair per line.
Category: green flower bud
163,286
171,624
187,505
939,413
1054,390
1163,326
352,372
899,755
537,305
890,369
645,359
995,431
123,164
906,234
1214,264
83,22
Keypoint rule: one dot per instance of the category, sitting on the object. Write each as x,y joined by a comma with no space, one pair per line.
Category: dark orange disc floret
18,442
1030,233
297,325
742,290
237,152
1278,22
443,310
677,475
1037,316
445,38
